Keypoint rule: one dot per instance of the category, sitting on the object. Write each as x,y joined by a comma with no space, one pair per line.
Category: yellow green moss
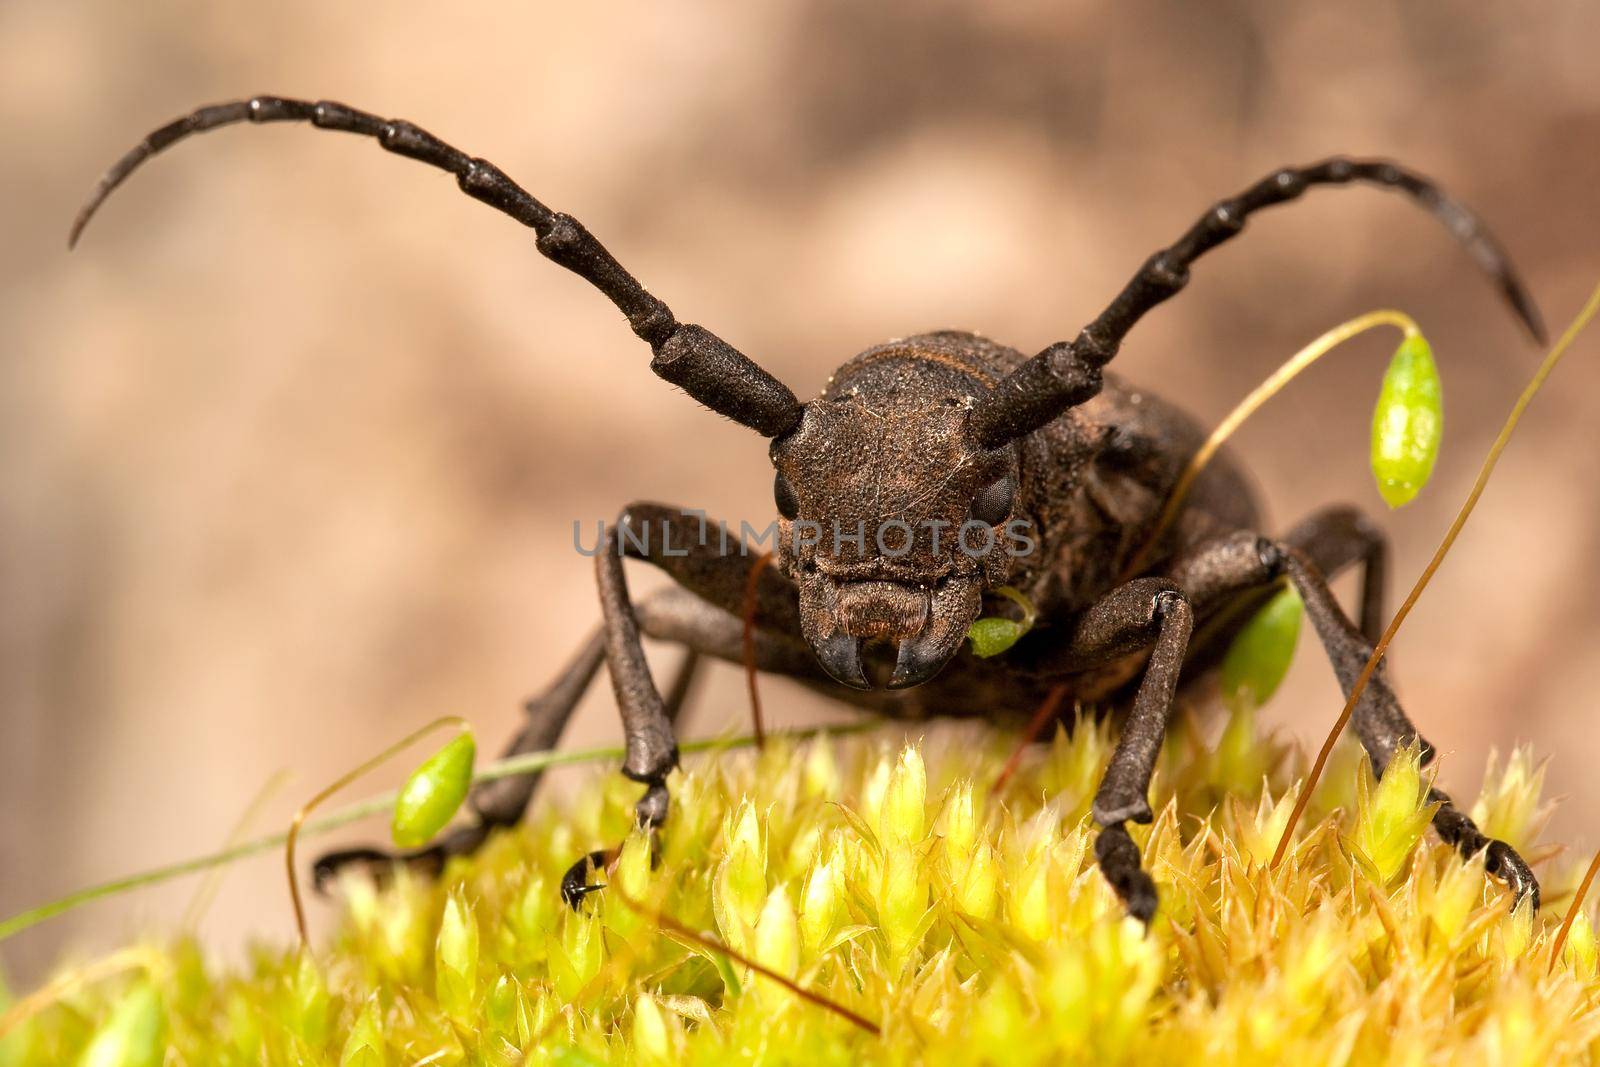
971,927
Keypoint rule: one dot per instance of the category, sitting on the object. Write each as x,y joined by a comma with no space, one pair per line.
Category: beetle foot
1118,857
380,865
1502,861
575,884
1499,858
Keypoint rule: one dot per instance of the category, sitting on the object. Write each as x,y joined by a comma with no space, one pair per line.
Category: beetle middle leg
711,567
1243,560
1333,539
1338,536
502,802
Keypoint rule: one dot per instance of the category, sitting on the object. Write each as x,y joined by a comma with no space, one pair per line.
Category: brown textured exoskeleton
931,471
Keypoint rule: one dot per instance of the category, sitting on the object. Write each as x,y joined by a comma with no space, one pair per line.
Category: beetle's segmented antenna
1068,372
689,356
206,118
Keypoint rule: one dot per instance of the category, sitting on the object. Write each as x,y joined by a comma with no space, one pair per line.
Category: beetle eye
783,494
993,502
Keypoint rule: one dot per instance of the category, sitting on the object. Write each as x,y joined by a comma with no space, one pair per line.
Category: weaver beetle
944,433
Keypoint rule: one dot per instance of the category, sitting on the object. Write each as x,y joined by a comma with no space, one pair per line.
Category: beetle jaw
927,625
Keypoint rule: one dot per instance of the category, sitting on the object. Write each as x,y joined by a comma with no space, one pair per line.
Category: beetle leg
1381,723
679,616
1332,539
502,802
1146,612
711,567
1338,536
1242,561
707,562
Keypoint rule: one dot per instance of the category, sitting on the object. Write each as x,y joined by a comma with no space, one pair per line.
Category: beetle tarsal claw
575,884
1502,861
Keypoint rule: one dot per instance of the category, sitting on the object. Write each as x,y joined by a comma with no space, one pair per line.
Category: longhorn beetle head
878,477
893,517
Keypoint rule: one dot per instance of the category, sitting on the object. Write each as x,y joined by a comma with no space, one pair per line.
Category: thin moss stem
529,763
206,891
752,602
1572,912
666,922
1500,442
1269,388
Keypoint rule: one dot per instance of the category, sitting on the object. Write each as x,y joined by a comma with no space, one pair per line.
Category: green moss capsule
1408,422
1260,656
993,634
434,792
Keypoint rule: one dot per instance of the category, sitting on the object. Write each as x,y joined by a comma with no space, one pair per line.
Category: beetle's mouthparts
951,609
880,610
840,656
928,627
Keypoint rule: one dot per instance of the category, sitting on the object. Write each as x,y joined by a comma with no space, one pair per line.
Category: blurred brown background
292,445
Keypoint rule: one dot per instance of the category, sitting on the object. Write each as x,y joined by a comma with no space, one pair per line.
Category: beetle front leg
651,747
700,556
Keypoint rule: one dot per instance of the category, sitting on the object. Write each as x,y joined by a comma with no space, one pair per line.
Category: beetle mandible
931,471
